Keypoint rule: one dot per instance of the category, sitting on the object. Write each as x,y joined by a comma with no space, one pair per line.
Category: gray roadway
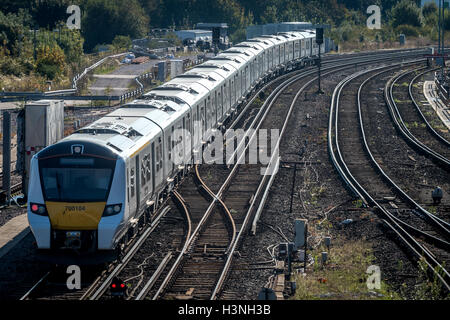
122,78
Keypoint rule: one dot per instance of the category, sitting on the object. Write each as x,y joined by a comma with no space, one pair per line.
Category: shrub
50,61
10,66
406,12
121,42
407,30
429,8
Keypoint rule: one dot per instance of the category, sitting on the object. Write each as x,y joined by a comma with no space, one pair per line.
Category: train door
232,91
131,173
291,50
183,145
153,166
237,86
214,105
159,171
169,162
188,142
220,96
230,94
276,60
270,58
146,170
203,115
138,183
225,97
209,114
247,76
195,125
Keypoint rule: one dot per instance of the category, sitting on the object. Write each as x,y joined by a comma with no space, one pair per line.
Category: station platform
443,112
12,232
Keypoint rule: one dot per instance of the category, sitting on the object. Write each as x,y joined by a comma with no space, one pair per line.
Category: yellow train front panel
75,216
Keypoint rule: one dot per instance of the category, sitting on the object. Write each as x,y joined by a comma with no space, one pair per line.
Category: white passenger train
89,192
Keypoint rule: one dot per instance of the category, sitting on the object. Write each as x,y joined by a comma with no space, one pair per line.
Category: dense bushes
50,61
407,30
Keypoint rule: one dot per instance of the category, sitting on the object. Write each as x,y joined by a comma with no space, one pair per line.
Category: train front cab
76,202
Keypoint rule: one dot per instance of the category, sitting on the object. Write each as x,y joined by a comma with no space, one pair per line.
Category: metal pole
443,31
7,155
319,91
439,28
442,38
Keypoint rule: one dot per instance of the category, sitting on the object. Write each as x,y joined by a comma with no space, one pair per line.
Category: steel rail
441,224
222,204
151,282
283,87
428,217
40,282
404,131
347,176
429,126
260,187
119,267
273,165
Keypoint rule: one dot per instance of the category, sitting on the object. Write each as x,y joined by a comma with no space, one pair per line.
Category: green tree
270,15
13,29
49,13
121,43
102,20
429,8
50,61
406,13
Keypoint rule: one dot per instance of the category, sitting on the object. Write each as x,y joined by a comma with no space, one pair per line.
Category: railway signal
118,288
319,41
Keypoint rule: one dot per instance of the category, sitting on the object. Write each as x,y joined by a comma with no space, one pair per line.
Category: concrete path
443,111
12,232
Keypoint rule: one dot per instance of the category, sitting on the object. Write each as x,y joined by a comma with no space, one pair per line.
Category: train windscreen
76,179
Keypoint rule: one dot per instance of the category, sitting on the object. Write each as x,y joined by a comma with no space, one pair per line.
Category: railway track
350,152
208,240
407,121
244,195
97,279
438,136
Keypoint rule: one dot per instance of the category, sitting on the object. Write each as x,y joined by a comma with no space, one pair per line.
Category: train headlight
112,209
39,209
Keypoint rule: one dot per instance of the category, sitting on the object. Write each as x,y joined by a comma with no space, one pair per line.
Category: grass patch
316,193
106,67
358,203
343,277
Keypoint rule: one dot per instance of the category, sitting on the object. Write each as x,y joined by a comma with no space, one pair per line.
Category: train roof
123,129
201,78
